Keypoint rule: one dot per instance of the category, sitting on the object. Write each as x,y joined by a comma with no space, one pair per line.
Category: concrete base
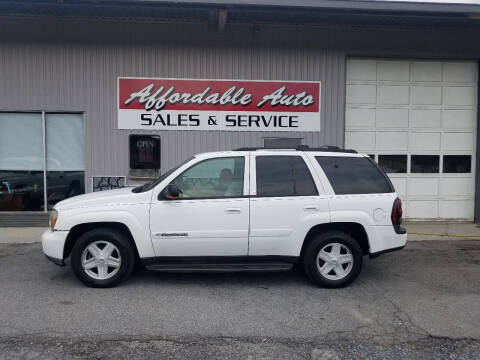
442,230
416,231
20,235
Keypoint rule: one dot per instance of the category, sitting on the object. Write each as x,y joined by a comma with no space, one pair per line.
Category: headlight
53,219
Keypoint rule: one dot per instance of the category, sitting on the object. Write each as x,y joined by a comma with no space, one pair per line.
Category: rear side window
354,175
283,176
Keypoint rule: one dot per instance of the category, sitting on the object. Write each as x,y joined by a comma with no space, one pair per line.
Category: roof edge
431,6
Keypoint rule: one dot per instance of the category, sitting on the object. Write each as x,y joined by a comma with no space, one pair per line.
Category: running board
242,267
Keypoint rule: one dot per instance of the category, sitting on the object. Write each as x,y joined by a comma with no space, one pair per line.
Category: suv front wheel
332,259
102,258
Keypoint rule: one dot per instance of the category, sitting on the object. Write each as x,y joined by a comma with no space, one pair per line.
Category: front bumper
56,261
53,243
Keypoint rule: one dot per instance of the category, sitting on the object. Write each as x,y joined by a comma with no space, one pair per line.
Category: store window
393,164
21,162
144,157
144,152
425,164
34,177
65,156
457,163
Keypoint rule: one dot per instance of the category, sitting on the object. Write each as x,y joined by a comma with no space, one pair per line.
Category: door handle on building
233,210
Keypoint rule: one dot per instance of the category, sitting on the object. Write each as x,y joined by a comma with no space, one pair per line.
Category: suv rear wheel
332,259
102,258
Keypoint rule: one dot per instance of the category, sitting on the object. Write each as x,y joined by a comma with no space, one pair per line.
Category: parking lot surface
420,302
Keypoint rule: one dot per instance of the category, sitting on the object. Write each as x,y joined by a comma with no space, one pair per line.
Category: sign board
228,105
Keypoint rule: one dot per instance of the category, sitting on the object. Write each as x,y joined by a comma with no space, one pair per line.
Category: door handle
233,210
310,207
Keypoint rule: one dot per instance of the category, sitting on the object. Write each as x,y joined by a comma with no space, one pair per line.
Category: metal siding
74,67
83,78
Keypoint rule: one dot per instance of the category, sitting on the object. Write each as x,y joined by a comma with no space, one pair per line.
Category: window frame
179,172
253,174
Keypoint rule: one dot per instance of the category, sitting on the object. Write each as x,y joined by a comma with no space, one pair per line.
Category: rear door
286,201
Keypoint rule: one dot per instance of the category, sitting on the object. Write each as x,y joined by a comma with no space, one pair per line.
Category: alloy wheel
334,261
101,260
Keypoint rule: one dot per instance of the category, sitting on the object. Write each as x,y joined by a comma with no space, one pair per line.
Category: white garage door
418,120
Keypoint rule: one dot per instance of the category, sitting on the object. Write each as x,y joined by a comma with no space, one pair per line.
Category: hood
101,198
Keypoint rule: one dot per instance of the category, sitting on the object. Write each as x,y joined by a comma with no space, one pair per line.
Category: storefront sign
229,105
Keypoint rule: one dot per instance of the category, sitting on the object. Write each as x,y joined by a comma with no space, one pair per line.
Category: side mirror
171,192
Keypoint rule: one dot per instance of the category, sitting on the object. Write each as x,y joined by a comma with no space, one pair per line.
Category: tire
108,256
331,250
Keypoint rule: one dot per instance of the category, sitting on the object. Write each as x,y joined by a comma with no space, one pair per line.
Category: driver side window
212,178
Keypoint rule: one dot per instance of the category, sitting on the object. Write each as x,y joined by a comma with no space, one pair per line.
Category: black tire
318,243
127,255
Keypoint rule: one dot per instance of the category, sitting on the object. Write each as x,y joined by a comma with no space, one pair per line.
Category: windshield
151,184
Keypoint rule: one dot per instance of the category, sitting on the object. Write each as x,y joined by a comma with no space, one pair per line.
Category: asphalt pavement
422,302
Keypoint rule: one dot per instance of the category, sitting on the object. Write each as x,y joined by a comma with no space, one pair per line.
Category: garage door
417,119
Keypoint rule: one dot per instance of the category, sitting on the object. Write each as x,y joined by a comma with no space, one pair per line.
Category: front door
210,218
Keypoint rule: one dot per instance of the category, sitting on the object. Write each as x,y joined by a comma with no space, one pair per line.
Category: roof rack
326,148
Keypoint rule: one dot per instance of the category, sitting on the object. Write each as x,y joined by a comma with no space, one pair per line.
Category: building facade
401,86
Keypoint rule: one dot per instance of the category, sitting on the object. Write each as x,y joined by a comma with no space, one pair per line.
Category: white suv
243,210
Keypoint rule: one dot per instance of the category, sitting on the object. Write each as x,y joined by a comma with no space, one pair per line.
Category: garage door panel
397,118
423,186
422,209
424,141
391,140
393,94
400,185
362,70
458,141
418,107
426,95
360,117
459,96
427,71
393,71
456,209
361,94
458,186
460,72
361,140
460,119
425,118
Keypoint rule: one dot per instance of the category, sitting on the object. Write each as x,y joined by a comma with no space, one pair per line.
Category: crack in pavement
147,347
